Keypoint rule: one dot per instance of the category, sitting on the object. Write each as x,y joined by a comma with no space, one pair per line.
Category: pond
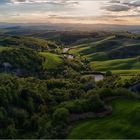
65,50
69,56
98,77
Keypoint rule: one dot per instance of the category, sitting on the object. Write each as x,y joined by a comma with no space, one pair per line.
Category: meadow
117,64
52,61
123,123
116,53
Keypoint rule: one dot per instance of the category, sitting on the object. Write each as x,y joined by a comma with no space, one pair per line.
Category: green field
127,72
111,53
89,47
117,65
4,48
52,61
123,123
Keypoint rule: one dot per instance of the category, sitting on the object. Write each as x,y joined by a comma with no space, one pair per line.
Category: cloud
114,1
17,1
82,11
122,5
3,1
27,1
43,1
117,8
135,3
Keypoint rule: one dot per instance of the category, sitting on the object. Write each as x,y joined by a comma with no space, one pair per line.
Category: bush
124,92
108,92
60,115
95,104
105,92
108,73
92,104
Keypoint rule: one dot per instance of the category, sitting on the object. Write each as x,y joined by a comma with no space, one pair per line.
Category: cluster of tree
29,42
41,106
25,60
115,81
34,108
92,103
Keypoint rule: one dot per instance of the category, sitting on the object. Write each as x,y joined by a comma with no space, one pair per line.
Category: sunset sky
71,11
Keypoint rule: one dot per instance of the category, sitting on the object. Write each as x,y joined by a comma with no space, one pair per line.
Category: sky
124,12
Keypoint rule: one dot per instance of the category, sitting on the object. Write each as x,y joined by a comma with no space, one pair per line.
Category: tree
11,132
108,73
61,115
138,58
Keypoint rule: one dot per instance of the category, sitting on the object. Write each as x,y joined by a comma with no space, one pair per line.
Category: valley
69,69
58,85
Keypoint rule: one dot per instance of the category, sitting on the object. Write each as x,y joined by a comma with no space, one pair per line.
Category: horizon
113,12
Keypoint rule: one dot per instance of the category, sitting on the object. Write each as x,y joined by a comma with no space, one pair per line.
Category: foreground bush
93,104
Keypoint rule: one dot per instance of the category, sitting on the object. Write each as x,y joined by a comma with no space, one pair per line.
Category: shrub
60,115
105,92
108,73
95,104
92,104
108,92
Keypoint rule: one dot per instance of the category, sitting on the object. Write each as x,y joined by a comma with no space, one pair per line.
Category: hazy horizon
117,12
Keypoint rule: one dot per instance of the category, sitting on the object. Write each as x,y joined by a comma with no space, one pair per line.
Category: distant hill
127,51
30,42
113,46
73,27
97,46
114,51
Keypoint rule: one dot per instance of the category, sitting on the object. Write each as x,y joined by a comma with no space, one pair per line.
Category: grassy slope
106,49
30,42
121,124
127,72
52,61
92,49
99,56
89,47
4,48
125,51
117,64
97,52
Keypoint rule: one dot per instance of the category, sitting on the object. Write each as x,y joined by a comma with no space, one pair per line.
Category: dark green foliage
60,116
123,123
71,37
134,116
125,51
109,93
25,60
20,106
26,101
30,42
92,104
41,106
108,73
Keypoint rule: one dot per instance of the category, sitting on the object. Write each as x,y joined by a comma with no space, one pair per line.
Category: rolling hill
52,61
46,88
117,64
30,42
112,52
